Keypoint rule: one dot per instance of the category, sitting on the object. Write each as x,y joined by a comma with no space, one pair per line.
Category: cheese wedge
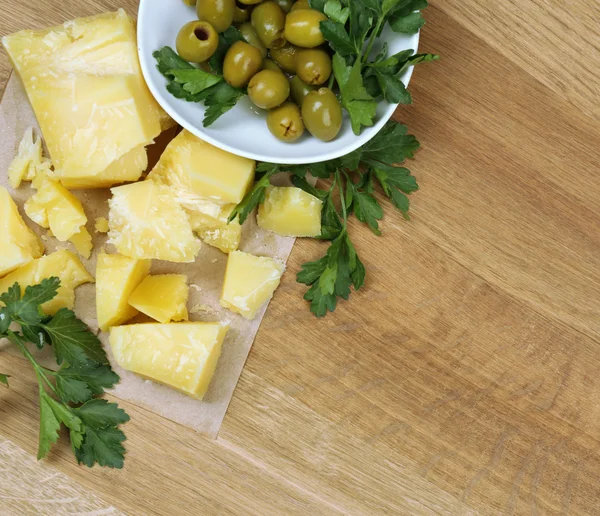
250,282
116,278
19,245
181,355
61,264
84,82
146,222
163,297
215,230
197,171
290,211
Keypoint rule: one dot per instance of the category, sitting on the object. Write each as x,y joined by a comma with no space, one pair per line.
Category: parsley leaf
102,446
338,38
257,194
336,11
49,426
366,208
196,80
226,39
220,99
4,378
78,383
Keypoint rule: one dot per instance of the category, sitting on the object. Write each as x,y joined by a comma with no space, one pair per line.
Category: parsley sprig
349,186
196,85
352,30
68,395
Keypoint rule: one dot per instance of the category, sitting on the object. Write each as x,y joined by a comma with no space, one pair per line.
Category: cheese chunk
197,170
61,264
290,211
181,355
163,297
19,244
64,211
82,241
116,278
215,230
127,168
249,282
101,225
36,212
84,82
29,155
145,221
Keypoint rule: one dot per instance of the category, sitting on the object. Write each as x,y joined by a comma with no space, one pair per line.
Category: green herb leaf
257,194
101,414
336,11
409,24
78,383
49,426
168,60
194,81
5,320
393,89
72,340
103,447
415,60
4,378
219,99
367,209
338,38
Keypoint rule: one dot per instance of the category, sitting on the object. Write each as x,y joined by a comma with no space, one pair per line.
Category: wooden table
465,378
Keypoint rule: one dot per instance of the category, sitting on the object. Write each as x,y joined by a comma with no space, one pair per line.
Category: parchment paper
205,276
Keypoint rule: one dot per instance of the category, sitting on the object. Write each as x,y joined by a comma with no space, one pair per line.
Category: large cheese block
84,82
61,264
198,171
181,355
215,228
146,222
19,244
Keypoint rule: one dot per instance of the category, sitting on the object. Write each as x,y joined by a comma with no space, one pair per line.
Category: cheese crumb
101,225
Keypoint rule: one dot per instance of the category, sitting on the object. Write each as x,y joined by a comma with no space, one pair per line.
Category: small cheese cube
146,222
197,170
290,211
36,212
64,211
28,157
181,355
117,277
249,282
82,241
163,297
61,264
216,231
19,245
101,225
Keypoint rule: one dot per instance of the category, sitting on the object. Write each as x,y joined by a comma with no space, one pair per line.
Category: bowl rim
204,134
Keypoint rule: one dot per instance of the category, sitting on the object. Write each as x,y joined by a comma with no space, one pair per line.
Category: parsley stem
372,39
338,178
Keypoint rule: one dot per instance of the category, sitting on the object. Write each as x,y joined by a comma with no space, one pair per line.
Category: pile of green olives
283,61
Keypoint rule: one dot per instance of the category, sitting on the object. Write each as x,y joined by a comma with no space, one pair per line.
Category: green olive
249,34
241,62
197,41
219,13
241,13
285,57
300,4
250,2
286,5
189,2
299,90
322,114
313,66
268,89
268,20
302,28
285,122
269,64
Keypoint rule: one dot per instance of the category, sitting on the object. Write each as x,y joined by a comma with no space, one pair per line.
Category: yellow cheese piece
166,122
19,244
290,211
36,212
84,82
116,278
61,264
64,211
146,222
29,155
181,355
101,225
215,230
249,282
83,242
197,170
127,168
163,297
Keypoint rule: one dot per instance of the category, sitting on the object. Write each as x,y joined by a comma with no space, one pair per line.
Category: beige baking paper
205,277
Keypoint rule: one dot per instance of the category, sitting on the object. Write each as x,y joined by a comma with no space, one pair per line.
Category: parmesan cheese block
163,297
181,355
197,171
19,244
215,230
146,222
249,282
84,82
290,211
116,278
61,264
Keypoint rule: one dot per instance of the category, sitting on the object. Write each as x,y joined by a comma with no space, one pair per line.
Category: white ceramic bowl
242,130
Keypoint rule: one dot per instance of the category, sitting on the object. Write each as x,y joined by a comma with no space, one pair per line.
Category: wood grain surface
464,379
